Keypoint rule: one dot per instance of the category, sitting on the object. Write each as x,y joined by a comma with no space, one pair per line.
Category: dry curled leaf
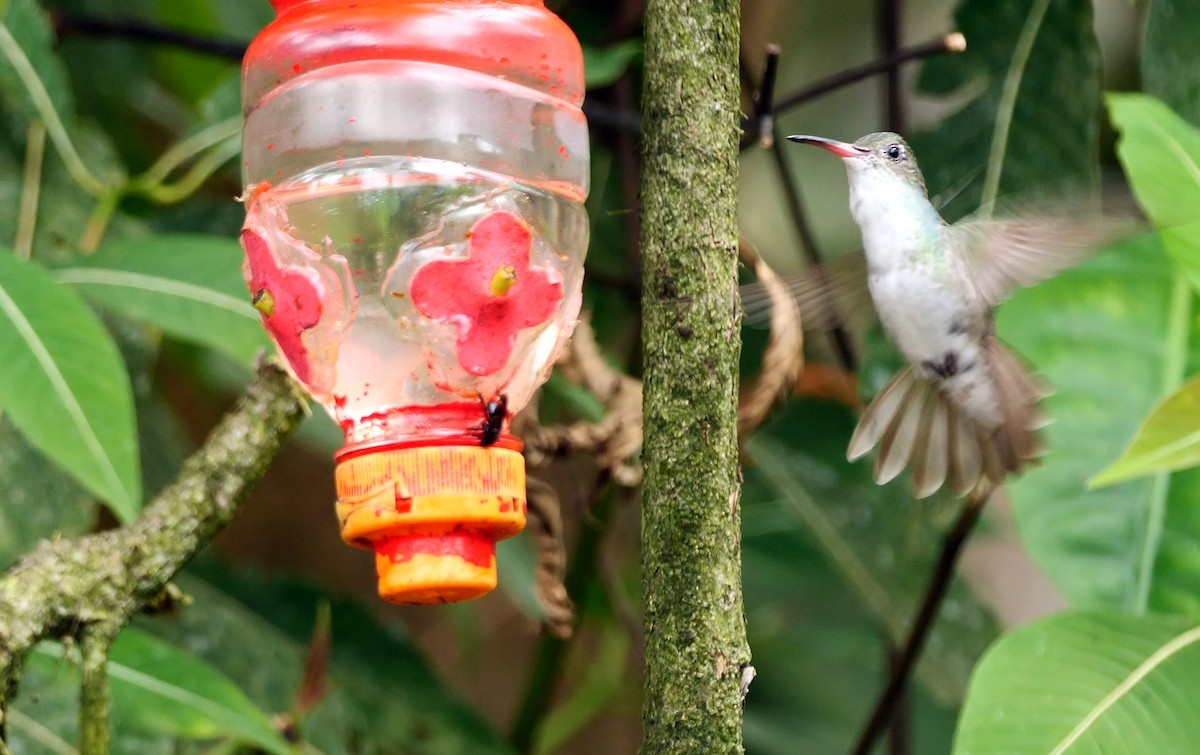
784,356
546,528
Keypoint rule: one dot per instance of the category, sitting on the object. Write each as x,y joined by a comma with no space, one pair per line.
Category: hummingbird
964,408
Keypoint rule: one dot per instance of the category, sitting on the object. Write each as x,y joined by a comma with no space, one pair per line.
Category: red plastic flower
491,295
289,301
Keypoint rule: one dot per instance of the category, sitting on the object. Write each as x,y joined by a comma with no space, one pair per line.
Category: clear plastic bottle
415,235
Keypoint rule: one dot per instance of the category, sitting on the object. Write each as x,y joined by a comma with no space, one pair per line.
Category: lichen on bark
695,627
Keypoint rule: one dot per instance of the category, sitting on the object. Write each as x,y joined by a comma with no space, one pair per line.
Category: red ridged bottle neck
283,5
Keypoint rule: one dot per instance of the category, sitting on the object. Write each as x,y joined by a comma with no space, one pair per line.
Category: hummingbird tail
911,420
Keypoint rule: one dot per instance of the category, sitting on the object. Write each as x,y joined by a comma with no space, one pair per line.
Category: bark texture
88,588
695,629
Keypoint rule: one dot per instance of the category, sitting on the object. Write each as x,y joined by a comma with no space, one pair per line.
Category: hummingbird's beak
841,149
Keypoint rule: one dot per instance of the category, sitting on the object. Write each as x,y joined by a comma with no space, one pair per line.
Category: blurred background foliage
833,565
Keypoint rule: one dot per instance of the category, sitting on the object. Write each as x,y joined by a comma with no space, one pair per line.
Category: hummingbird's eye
895,152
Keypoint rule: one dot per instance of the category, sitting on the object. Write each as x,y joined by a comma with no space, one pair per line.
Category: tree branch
94,699
67,588
691,530
939,584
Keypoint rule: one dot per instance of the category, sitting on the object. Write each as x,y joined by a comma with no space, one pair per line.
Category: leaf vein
157,284
70,402
1144,669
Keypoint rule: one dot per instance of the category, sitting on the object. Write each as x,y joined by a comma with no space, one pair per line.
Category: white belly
922,317
936,329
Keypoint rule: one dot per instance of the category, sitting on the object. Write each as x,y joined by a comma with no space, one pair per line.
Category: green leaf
516,562
1169,55
37,501
65,386
1031,126
1169,439
382,690
189,286
25,733
1086,683
599,684
157,687
1183,243
1101,335
880,541
1161,156
603,66
30,28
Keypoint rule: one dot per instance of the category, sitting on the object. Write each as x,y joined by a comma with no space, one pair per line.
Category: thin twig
186,149
888,22
67,24
11,49
615,440
761,128
601,116
31,189
953,42
899,732
97,222
943,573
207,164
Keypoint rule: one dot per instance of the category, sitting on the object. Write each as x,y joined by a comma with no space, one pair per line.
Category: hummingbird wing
828,295
998,255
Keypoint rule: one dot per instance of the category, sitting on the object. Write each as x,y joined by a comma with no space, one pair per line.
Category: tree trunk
691,536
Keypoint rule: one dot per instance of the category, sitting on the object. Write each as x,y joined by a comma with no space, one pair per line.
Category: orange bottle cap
433,516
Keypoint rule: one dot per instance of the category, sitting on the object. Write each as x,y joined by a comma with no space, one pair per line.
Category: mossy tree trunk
695,629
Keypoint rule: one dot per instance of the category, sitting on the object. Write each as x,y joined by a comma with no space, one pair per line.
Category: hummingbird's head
884,157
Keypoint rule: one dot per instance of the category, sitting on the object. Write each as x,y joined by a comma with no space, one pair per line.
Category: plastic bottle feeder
414,243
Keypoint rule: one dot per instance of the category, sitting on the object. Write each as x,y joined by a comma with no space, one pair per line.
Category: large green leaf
1098,333
382,691
881,542
159,688
189,286
1032,124
1169,439
65,386
1085,683
1168,51
1161,156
